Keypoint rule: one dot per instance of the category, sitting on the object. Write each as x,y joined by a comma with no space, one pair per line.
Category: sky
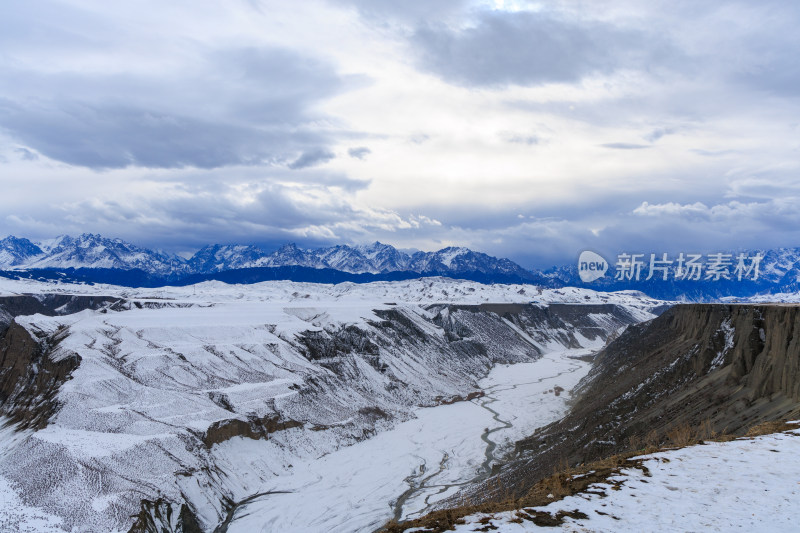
524,129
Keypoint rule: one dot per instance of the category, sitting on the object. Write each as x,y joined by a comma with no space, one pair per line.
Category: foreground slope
748,484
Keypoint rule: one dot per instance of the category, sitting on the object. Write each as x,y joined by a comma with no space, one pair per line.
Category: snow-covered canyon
402,472
328,407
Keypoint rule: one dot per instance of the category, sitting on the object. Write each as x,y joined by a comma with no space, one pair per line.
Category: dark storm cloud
194,214
235,107
106,136
529,48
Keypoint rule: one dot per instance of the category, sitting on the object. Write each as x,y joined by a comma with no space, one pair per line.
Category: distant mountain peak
16,251
90,250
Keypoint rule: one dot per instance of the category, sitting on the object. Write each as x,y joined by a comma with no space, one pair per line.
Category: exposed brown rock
29,378
158,517
252,428
458,398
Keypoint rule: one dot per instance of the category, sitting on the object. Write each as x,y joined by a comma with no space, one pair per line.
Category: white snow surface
15,515
418,291
749,484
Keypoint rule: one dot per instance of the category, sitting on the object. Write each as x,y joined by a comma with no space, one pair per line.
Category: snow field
749,484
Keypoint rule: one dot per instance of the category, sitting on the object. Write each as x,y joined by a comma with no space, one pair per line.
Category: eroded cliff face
29,377
725,367
161,516
568,325
766,354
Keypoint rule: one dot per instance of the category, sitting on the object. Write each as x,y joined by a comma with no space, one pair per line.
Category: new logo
591,266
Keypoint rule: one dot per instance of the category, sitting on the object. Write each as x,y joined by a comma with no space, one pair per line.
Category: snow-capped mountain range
85,251
95,251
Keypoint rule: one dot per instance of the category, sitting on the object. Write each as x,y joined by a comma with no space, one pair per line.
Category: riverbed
403,472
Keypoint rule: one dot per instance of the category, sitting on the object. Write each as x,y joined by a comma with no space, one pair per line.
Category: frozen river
402,472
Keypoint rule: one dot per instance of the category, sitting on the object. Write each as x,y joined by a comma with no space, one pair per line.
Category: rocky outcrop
253,427
30,378
766,355
161,516
722,367
340,341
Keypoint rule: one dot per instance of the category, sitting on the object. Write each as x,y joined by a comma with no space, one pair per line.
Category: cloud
766,60
785,210
672,209
712,153
615,225
767,184
232,106
359,152
407,11
27,155
420,221
658,133
104,136
190,210
417,123
518,138
312,158
624,146
530,48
